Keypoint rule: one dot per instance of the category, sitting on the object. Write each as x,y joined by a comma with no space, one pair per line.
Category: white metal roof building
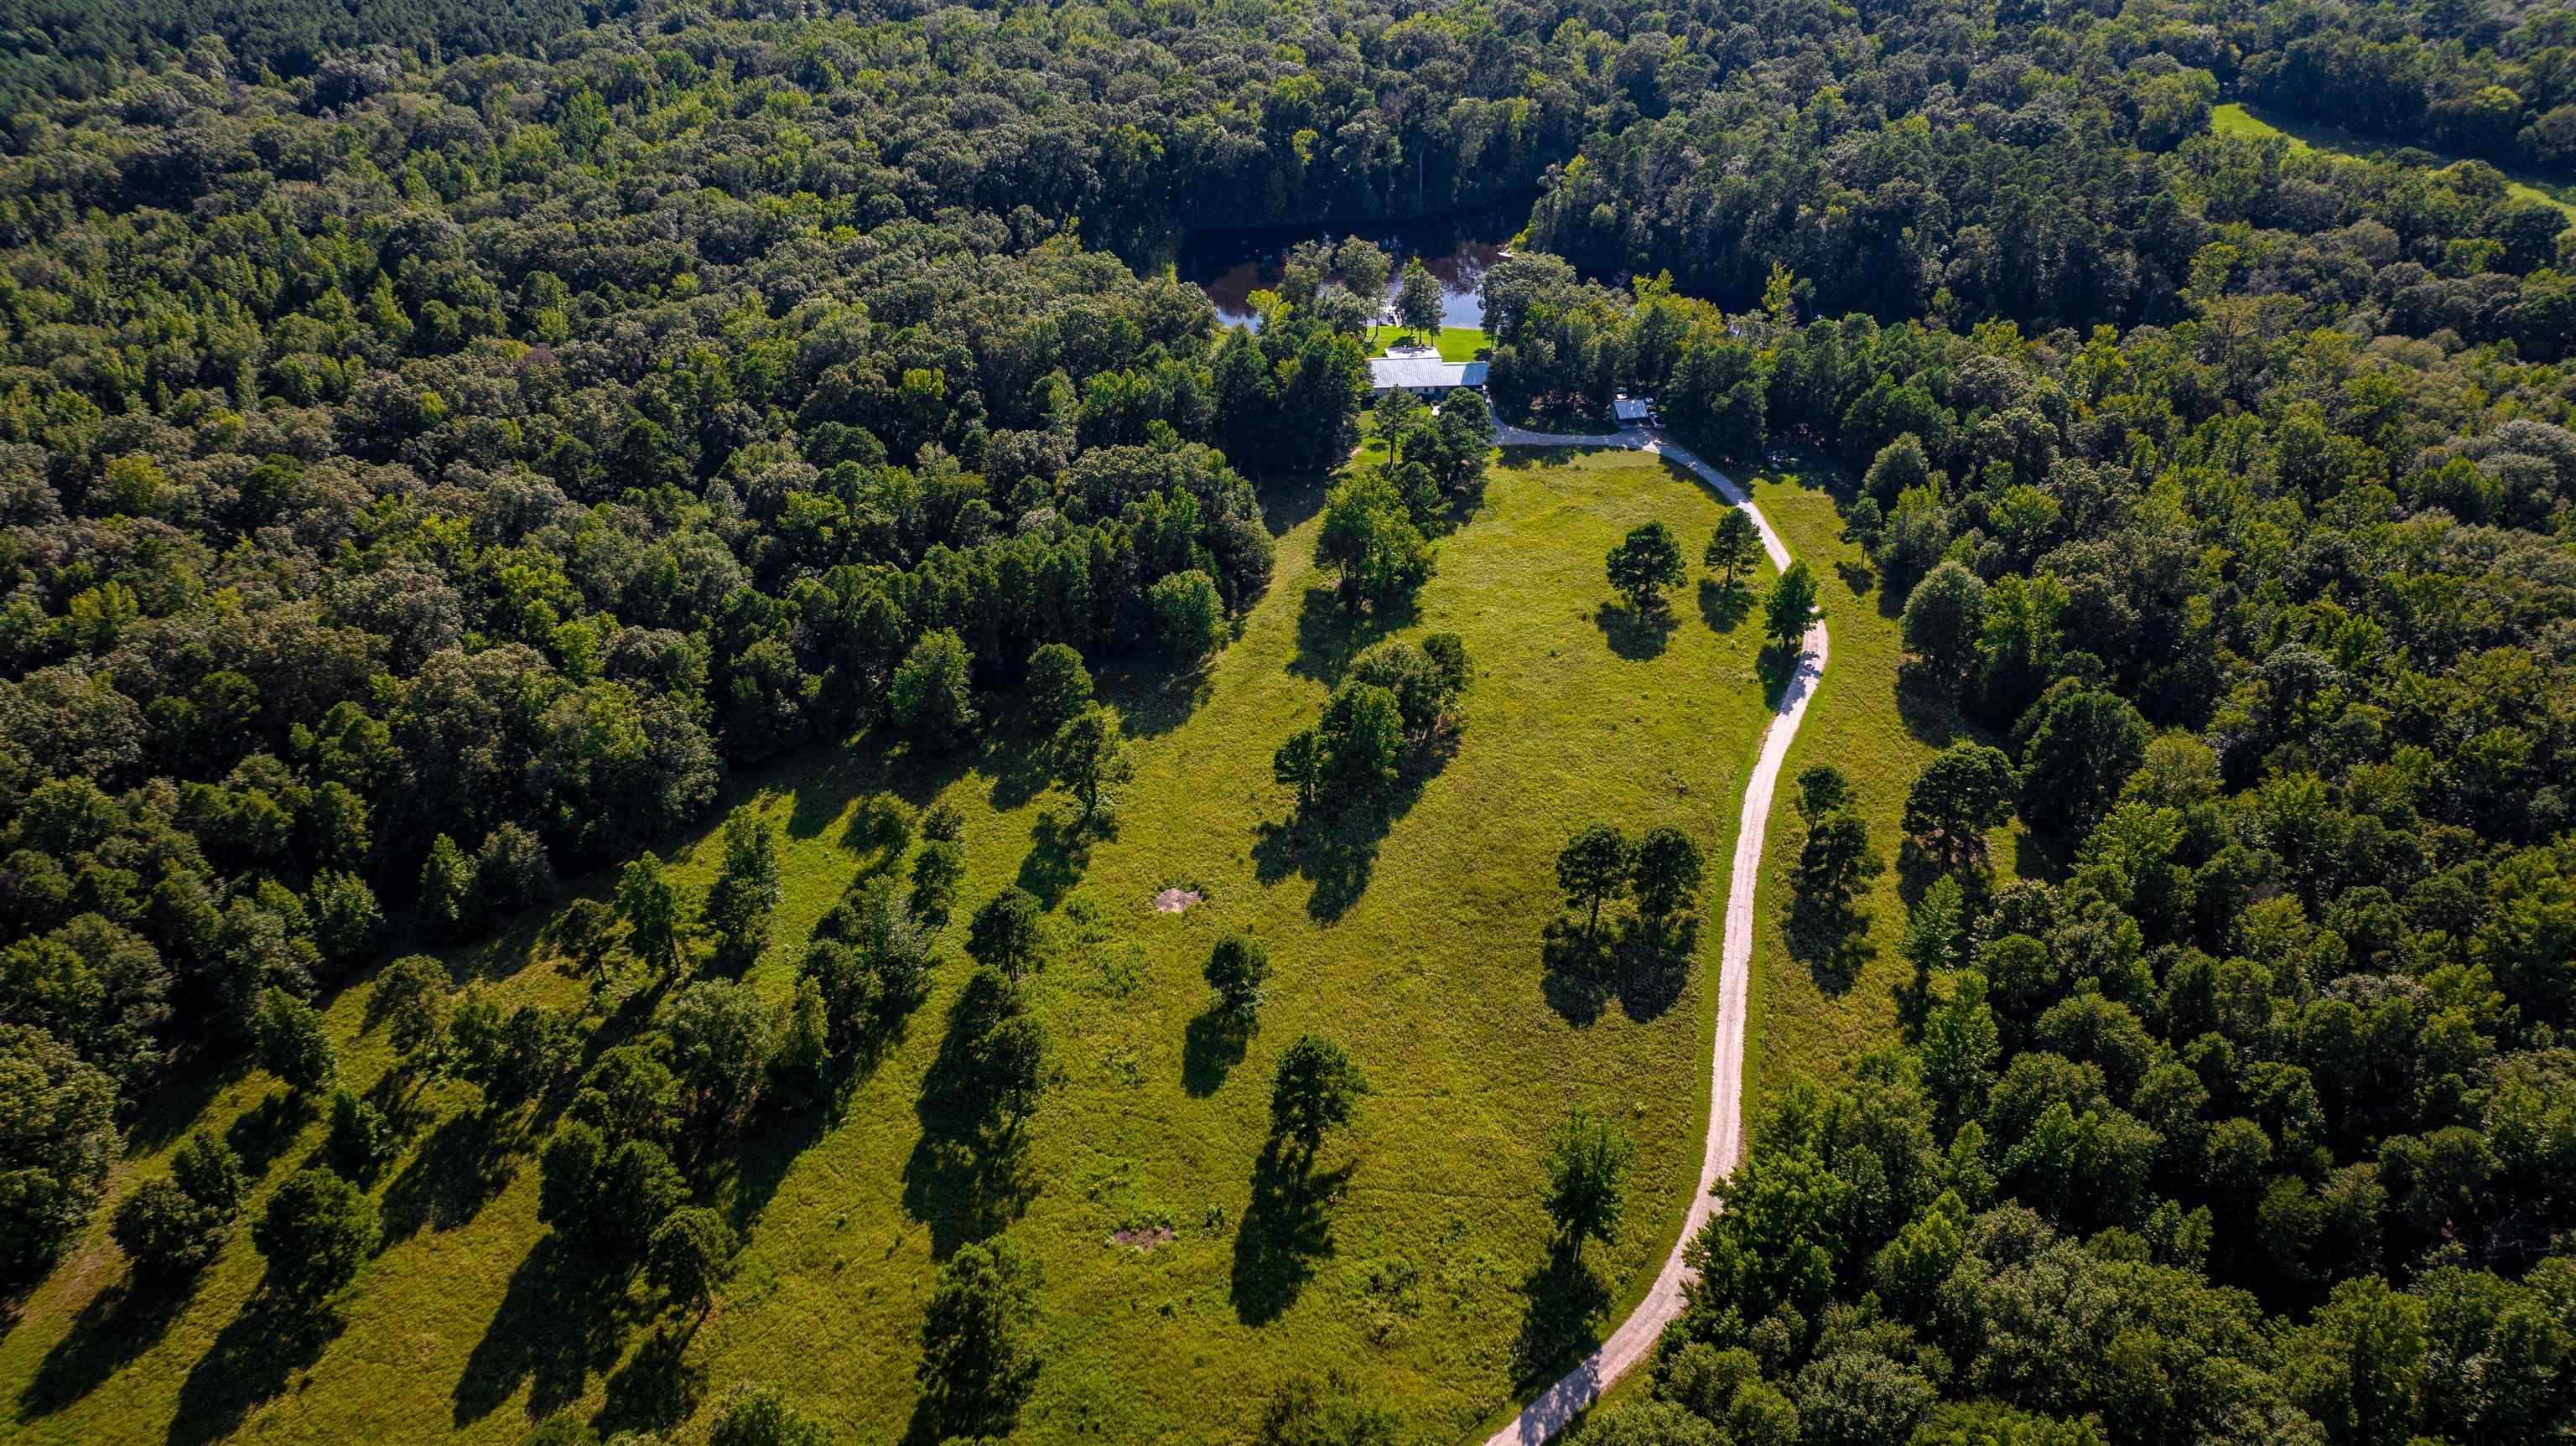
1424,376
1631,410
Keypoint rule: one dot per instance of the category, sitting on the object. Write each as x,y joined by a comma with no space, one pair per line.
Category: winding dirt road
1550,1411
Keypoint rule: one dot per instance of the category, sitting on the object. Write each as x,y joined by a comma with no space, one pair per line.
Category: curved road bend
1551,1409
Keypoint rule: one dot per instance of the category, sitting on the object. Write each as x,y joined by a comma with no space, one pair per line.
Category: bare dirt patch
1175,900
1142,1238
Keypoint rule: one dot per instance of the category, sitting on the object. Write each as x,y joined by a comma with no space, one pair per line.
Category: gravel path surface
1549,1412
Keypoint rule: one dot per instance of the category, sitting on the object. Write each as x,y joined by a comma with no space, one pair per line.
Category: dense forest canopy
437,443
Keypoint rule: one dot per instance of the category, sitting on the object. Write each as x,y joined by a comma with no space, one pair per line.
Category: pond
1230,263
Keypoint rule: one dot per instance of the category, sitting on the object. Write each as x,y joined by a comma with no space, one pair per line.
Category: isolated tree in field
1316,1090
1425,678
650,909
1587,1166
1418,302
1644,564
1189,617
2083,743
513,1057
1059,687
929,692
316,1232
763,1416
1734,548
689,1254
1093,760
1005,932
1365,268
944,824
1964,791
1237,969
292,1043
1363,737
1591,870
411,998
1665,873
1945,616
936,872
1370,542
800,1063
745,891
583,938
1791,607
977,1361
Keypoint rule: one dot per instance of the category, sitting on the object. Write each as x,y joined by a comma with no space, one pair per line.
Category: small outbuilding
1424,376
1633,411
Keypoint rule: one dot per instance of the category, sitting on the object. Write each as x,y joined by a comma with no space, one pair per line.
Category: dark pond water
1230,264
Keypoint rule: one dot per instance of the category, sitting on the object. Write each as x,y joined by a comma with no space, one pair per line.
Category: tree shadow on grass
1859,577
118,1325
767,1152
469,1159
1211,1046
1635,635
1153,701
559,1323
1329,636
1831,939
1724,608
1561,1322
261,1133
1642,966
968,1175
254,1360
657,1388
1059,850
1284,1231
1337,863
1934,721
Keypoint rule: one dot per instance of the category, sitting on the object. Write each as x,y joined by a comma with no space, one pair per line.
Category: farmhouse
1424,376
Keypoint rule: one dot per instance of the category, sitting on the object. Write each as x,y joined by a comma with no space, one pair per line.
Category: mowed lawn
1421,1276
1456,343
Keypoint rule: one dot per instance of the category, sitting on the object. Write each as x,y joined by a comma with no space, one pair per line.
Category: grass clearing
2238,119
1806,1022
1421,1273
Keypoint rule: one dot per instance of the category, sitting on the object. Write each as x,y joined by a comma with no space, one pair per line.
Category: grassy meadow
2236,119
1415,1263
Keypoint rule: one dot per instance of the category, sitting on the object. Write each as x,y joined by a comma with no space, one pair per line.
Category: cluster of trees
1397,703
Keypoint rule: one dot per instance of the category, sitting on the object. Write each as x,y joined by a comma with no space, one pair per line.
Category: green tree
745,891
1092,760
1791,608
1237,969
1316,1089
1189,616
411,998
651,911
450,905
1418,302
1962,793
977,1354
1587,1166
929,692
936,872
292,1043
1665,872
1961,1045
689,1254
1007,932
1371,545
1734,548
1646,563
316,1232
763,1416
1365,268
582,937
721,1035
1300,764
1945,617
1592,869
1059,688
2082,745
1362,738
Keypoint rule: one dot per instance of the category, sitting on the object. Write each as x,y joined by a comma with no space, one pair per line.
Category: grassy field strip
1573,1392
2236,119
